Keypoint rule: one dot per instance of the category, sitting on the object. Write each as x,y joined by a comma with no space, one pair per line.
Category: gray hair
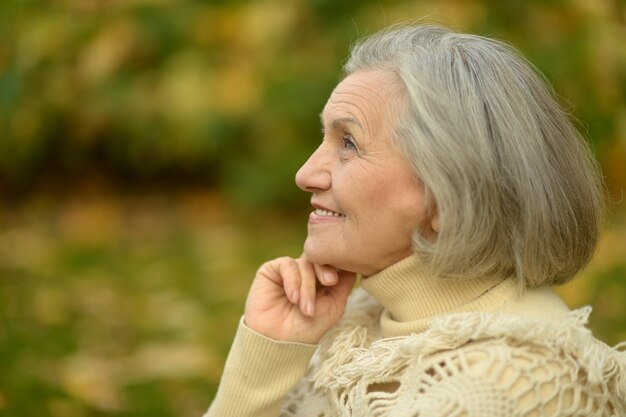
515,186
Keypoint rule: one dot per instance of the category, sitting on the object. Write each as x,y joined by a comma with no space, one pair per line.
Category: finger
307,287
289,272
327,274
345,283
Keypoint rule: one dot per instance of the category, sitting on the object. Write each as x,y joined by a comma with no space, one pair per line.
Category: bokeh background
147,156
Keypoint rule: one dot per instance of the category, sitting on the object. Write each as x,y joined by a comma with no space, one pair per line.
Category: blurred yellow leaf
186,88
170,361
94,219
237,89
93,380
107,51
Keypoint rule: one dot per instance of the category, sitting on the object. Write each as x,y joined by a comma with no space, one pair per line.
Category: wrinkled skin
367,203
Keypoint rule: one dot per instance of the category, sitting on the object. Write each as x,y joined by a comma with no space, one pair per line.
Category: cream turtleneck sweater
400,301
412,299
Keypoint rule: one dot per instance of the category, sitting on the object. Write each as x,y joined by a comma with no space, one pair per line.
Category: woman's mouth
328,213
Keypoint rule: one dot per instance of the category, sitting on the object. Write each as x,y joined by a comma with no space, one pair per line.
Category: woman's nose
314,175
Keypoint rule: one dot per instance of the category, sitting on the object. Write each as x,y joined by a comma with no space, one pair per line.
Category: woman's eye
348,143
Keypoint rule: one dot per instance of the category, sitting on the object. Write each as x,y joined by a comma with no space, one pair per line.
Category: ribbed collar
412,299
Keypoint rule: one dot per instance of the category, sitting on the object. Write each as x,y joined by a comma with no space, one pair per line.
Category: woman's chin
319,254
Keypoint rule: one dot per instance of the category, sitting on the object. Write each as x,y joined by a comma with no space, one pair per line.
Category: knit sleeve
258,373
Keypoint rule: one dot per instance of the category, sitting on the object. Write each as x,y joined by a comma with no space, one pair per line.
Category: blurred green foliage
151,89
153,145
116,304
121,305
228,92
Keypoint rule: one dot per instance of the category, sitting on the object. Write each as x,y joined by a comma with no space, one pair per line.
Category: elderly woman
451,182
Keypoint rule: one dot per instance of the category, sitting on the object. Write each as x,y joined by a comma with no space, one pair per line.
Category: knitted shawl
464,364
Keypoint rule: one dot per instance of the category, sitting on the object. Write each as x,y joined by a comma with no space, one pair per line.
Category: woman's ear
434,221
431,226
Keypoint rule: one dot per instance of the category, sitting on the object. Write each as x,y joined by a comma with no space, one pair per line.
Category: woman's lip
316,218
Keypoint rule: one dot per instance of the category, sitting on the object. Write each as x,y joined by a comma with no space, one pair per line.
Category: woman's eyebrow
342,120
345,120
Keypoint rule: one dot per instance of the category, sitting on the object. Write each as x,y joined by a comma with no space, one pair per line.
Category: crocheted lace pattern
464,365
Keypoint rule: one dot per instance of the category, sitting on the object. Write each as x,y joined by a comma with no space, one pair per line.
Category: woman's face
367,200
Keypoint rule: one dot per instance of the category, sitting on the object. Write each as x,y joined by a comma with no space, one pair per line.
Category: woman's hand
294,300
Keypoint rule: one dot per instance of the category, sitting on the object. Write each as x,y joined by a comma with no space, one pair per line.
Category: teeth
321,212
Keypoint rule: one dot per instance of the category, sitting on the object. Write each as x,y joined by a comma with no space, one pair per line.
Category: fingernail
294,296
328,277
309,308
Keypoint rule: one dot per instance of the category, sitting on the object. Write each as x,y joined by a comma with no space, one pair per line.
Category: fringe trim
349,359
